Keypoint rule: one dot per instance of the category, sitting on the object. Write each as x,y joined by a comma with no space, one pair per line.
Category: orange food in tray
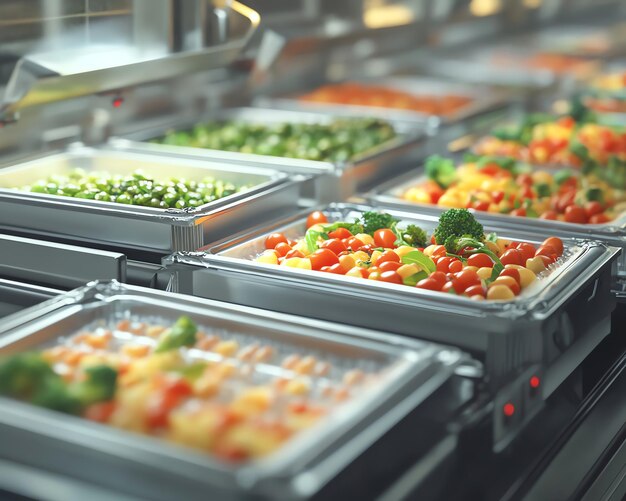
357,94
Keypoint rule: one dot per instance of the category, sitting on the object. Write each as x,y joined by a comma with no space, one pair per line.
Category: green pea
102,196
194,202
180,204
170,198
124,198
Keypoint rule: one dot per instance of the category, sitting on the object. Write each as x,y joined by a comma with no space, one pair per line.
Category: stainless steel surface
57,265
612,233
338,181
72,72
143,228
483,99
510,335
16,296
412,371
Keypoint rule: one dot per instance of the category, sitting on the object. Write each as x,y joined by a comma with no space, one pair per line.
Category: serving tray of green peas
125,200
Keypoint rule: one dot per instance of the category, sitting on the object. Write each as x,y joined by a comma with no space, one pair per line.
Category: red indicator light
508,409
534,382
117,102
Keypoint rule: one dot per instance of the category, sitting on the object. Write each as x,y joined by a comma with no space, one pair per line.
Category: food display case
397,376
155,341
335,177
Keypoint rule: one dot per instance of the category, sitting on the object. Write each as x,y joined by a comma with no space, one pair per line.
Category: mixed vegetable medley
222,393
135,189
338,141
458,258
353,93
505,186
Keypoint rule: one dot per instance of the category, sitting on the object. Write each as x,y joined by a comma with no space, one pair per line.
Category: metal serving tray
412,371
612,233
119,226
16,296
335,181
551,326
483,99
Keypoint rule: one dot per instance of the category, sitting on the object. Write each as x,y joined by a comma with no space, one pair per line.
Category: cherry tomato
283,249
521,212
593,208
316,217
340,233
274,239
448,286
497,196
575,214
481,206
599,219
101,411
524,180
513,273
358,269
336,268
323,257
455,266
481,260
443,264
476,290
385,238
438,251
511,256
354,243
388,266
547,250
388,256
549,215
428,284
162,403
547,260
565,200
556,243
439,277
527,193
391,276
527,250
465,279
335,245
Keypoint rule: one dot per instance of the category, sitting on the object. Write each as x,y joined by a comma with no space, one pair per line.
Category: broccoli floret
441,170
22,375
414,236
458,223
182,333
99,386
373,221
29,377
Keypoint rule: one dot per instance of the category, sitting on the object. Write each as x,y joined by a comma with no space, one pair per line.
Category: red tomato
564,200
443,264
481,205
497,196
599,219
384,238
323,257
511,256
428,284
448,286
354,243
274,239
521,212
335,245
549,214
162,403
513,273
547,260
388,256
481,261
524,180
391,276
438,251
283,249
465,279
100,412
388,266
527,193
547,250
556,243
340,233
476,290
294,253
593,208
575,214
455,266
316,217
336,268
527,250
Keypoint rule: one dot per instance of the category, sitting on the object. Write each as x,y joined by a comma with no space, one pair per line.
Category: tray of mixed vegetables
138,200
229,391
443,277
